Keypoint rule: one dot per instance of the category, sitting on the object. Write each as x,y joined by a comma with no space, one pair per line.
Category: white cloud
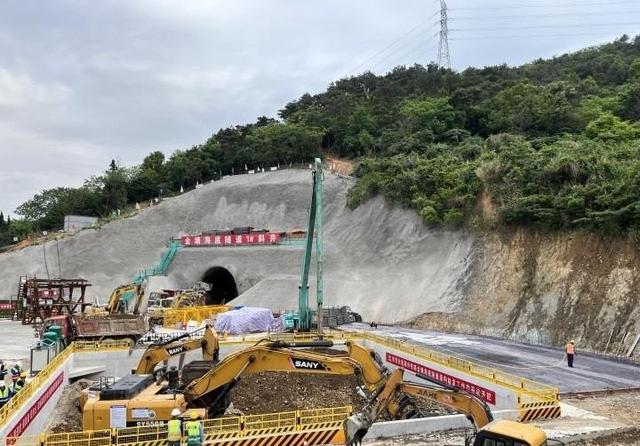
19,90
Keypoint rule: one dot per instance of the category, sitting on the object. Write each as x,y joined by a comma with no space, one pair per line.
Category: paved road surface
542,364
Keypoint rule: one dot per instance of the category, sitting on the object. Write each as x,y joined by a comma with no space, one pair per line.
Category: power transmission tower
444,59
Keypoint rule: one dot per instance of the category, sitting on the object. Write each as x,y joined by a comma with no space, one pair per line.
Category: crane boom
314,228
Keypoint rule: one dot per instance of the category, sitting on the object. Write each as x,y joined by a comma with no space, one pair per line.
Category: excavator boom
158,353
387,398
216,383
489,432
119,298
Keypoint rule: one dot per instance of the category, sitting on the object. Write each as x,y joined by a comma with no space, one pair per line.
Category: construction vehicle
148,400
79,327
161,352
125,299
302,320
391,398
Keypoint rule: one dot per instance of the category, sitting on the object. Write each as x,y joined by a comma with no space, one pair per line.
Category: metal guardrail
232,427
34,384
528,391
522,386
20,398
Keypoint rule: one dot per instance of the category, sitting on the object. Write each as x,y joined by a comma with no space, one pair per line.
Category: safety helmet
175,412
194,415
19,364
23,375
572,341
2,383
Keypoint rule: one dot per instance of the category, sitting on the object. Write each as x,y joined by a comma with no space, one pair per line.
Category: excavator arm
208,390
158,353
116,300
388,398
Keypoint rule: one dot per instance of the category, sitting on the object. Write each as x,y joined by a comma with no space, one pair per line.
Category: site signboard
261,238
438,376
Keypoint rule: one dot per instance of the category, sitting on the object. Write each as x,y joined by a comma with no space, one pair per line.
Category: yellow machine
489,433
161,352
121,296
143,400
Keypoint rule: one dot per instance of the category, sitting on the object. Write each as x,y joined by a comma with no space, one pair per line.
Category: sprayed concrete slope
380,260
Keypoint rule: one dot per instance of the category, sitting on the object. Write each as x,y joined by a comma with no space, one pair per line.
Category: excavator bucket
355,428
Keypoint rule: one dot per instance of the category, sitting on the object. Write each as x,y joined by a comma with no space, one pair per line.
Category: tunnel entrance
222,286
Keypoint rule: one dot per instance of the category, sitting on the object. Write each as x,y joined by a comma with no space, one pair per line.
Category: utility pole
444,59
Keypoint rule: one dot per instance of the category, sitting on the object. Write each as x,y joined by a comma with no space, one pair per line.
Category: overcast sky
85,81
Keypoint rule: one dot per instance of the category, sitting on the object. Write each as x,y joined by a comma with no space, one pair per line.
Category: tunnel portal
222,285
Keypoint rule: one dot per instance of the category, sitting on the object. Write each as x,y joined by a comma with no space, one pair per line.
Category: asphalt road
543,364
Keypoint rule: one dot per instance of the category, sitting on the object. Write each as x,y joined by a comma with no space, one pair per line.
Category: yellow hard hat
23,375
194,415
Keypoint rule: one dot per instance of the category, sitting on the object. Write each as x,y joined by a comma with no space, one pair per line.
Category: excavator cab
508,433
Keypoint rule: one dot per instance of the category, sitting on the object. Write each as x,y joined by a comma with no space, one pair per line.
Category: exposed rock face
379,259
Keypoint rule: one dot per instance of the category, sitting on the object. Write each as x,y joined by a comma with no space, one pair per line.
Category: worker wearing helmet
5,393
19,383
174,428
570,350
195,430
16,370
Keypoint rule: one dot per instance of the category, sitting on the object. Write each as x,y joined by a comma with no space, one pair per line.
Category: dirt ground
621,406
67,416
279,392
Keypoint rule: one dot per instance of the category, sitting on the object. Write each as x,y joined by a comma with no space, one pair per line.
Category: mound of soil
67,415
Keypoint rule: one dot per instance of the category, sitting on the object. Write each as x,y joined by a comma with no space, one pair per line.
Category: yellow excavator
122,295
145,400
390,398
161,352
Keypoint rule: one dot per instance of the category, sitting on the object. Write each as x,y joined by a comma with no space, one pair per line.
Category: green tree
610,127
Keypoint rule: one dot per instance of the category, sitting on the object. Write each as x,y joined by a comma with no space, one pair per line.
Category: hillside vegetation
552,144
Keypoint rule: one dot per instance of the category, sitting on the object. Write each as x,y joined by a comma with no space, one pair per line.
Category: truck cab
63,321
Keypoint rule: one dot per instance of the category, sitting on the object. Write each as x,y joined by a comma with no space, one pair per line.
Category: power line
581,25
540,5
526,16
520,36
443,46
411,51
391,45
394,55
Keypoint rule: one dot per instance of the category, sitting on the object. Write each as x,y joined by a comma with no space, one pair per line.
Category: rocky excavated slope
379,259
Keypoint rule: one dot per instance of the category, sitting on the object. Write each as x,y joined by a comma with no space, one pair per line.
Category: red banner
268,238
35,408
7,305
435,375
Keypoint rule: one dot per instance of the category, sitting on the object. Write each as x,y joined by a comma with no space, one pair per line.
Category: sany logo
175,350
307,364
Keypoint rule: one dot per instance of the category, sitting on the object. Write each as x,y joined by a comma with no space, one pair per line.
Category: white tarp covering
246,320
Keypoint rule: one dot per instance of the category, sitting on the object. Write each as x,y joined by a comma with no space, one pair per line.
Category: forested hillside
551,144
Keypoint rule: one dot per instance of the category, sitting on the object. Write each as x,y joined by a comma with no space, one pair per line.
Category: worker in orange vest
571,352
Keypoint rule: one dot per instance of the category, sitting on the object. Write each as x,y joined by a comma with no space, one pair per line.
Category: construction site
263,306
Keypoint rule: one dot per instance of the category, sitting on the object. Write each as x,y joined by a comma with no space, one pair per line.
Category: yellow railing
34,384
236,426
174,316
522,386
